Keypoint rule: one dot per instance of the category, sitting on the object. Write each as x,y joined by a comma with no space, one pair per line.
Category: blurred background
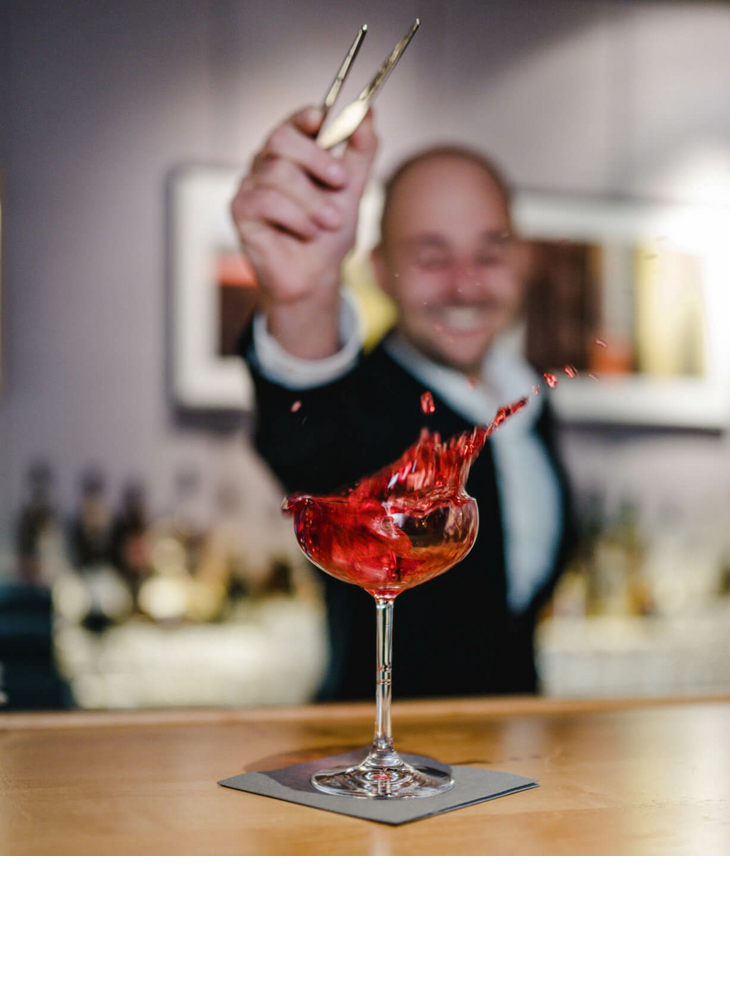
143,558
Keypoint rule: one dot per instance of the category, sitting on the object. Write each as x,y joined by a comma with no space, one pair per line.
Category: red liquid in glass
403,525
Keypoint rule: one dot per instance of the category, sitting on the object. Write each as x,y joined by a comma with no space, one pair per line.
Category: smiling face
449,259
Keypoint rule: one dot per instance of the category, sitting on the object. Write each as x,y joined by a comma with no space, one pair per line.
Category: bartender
329,414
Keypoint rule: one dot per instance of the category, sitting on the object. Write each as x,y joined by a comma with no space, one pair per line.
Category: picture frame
644,251
659,236
202,239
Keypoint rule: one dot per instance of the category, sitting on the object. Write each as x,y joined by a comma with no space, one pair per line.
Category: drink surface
385,547
403,525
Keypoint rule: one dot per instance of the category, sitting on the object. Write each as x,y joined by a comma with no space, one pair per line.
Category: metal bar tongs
347,122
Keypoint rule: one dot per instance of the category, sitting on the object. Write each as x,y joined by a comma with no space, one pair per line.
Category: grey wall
100,101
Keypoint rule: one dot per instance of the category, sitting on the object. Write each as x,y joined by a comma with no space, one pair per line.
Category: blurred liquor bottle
685,565
631,535
618,585
39,538
570,598
242,553
100,595
28,678
187,523
224,569
130,537
608,574
90,530
173,591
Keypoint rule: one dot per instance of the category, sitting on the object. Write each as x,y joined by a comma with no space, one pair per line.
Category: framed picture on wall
211,289
631,298
634,297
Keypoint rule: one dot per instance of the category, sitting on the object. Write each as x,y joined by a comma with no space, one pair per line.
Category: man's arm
296,214
282,367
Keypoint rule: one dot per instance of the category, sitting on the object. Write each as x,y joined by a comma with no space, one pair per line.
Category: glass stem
383,750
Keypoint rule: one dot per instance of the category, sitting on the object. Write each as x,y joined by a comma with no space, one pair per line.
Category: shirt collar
506,377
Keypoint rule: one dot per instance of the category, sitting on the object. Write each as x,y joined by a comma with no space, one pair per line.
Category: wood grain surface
617,777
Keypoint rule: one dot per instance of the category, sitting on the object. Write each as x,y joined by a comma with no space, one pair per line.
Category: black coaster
472,785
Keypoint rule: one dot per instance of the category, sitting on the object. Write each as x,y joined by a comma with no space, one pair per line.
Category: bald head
448,256
401,184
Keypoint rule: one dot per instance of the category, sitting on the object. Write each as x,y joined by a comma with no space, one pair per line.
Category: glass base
381,777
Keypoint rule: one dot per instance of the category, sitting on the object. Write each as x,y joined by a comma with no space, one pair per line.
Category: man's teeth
462,319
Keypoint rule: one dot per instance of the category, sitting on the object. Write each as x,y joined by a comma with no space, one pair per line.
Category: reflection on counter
170,611
644,609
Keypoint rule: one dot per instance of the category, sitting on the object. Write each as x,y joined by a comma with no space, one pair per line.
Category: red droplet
570,370
296,406
601,343
471,381
536,389
550,379
427,403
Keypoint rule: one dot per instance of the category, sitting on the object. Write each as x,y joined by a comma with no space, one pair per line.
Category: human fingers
309,120
322,205
255,206
295,144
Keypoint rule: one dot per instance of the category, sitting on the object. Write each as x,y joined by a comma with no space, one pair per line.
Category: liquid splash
600,342
570,370
296,406
550,379
405,523
428,405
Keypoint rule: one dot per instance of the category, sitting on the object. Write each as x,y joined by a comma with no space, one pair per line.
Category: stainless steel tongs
347,122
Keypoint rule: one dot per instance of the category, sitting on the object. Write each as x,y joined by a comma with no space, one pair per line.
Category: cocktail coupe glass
407,524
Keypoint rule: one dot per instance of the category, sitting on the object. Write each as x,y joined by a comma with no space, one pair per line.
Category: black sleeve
323,438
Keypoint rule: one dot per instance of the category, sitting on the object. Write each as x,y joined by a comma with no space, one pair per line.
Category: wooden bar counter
617,777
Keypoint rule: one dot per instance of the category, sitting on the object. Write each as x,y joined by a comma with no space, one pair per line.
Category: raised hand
296,214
